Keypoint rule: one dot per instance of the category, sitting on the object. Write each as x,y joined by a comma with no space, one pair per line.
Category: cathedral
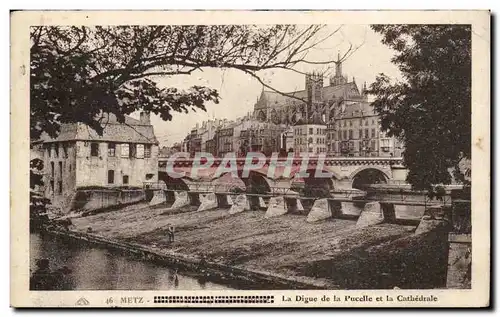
316,100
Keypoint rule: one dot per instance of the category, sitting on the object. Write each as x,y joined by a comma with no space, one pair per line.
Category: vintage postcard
250,159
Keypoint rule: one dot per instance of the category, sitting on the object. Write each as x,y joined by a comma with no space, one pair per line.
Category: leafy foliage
430,110
38,203
79,72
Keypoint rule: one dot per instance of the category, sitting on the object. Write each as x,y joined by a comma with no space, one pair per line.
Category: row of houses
241,136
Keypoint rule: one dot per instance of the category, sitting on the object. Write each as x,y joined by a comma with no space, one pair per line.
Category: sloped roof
132,131
344,90
268,98
358,109
271,97
316,120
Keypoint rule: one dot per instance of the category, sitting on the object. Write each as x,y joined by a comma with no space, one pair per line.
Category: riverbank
283,252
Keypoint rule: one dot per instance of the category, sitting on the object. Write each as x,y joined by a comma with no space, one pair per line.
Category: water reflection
92,268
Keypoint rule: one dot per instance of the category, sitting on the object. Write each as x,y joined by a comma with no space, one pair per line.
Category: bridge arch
173,183
368,175
314,185
257,183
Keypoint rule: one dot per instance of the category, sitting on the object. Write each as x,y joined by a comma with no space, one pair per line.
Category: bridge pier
371,215
181,199
158,198
208,201
240,204
319,211
276,207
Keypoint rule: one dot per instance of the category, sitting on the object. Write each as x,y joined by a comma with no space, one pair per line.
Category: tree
77,73
430,110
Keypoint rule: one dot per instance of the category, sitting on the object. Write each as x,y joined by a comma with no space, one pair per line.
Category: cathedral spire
338,66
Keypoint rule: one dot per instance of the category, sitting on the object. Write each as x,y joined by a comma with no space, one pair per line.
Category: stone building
310,136
356,132
211,146
126,155
315,98
351,126
261,137
225,140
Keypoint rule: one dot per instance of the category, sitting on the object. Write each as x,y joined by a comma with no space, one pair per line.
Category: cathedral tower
314,87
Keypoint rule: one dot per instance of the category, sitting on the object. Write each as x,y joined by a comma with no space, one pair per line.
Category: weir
356,207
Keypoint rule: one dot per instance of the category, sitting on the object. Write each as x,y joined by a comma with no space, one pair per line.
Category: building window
52,172
340,135
360,122
366,123
374,145
147,150
373,121
56,148
373,133
310,140
350,123
367,135
60,187
94,149
65,150
345,134
111,176
52,186
132,150
111,149
125,150
125,179
310,130
60,170
140,151
350,134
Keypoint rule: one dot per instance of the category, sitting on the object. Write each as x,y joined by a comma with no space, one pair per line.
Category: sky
239,91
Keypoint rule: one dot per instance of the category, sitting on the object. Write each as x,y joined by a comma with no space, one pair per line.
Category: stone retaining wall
98,199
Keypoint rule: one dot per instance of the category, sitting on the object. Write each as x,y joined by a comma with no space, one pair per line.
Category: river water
94,268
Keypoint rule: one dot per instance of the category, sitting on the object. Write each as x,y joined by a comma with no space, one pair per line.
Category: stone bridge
344,173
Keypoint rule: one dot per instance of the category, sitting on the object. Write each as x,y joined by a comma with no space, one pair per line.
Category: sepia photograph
215,158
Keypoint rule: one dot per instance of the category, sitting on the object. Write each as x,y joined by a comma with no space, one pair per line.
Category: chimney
145,118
